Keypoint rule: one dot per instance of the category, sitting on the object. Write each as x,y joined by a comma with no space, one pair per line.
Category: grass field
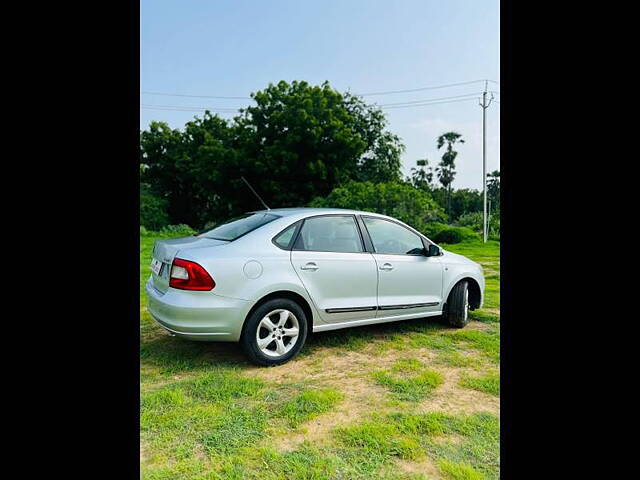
406,400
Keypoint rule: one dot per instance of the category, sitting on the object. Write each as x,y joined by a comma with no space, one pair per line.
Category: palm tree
423,176
447,167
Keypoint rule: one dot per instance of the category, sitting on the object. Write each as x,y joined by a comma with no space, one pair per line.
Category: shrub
448,235
399,200
455,235
182,229
433,228
153,211
473,220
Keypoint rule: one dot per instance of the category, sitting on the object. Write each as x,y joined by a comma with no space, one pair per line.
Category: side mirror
433,251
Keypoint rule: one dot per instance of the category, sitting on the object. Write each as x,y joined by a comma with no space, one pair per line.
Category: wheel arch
290,295
475,291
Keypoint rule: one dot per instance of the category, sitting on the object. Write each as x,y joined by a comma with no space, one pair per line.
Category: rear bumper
201,316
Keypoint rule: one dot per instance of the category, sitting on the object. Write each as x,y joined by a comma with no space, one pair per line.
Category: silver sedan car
269,278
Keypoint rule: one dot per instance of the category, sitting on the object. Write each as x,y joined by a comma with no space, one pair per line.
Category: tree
493,188
188,168
459,202
397,199
465,200
380,161
422,176
297,142
447,167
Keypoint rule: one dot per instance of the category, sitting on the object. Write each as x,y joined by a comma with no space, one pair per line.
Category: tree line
296,145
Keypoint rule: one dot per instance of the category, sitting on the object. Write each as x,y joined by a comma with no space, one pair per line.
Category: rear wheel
275,332
457,311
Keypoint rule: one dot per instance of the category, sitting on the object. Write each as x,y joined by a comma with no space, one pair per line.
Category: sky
232,48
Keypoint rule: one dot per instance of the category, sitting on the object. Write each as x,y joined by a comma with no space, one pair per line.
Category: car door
408,281
341,277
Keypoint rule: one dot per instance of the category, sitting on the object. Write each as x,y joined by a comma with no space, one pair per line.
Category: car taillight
187,275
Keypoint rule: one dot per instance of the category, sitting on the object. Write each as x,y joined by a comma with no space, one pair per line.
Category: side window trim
422,238
289,247
366,237
304,220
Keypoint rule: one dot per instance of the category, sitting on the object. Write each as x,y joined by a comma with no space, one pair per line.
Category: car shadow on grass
172,354
357,338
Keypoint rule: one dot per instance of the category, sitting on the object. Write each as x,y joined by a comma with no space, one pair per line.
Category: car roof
285,212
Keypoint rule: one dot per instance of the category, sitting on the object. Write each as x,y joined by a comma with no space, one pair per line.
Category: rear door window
336,233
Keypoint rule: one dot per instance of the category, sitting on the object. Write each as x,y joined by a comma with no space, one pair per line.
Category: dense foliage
493,189
461,201
399,200
456,202
296,143
474,222
153,211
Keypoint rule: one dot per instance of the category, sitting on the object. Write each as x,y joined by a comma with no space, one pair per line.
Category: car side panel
250,277
343,286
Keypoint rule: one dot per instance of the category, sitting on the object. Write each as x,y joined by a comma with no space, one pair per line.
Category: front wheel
274,333
457,311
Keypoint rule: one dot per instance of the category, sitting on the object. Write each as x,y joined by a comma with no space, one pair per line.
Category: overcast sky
235,47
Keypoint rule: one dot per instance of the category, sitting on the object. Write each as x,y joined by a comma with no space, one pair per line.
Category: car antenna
254,192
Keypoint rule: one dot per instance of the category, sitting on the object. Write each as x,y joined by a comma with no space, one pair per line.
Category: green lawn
406,400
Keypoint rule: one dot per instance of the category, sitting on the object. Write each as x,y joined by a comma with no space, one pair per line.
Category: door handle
309,266
386,266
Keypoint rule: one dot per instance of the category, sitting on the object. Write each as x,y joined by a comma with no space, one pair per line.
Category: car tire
457,308
286,316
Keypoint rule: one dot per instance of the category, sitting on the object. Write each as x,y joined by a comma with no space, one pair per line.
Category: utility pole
484,106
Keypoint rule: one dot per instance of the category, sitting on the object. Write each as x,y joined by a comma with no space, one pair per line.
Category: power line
474,94
389,92
195,96
178,108
187,108
425,101
430,103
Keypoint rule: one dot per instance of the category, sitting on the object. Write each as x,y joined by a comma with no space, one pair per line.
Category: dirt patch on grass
452,399
424,466
349,373
360,398
328,365
478,326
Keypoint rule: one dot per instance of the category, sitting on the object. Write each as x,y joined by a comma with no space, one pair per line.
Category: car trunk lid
164,251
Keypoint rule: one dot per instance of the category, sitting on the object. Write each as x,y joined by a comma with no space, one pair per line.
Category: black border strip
384,307
350,309
409,305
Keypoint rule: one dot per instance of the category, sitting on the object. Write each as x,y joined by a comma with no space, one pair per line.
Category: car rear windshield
239,226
